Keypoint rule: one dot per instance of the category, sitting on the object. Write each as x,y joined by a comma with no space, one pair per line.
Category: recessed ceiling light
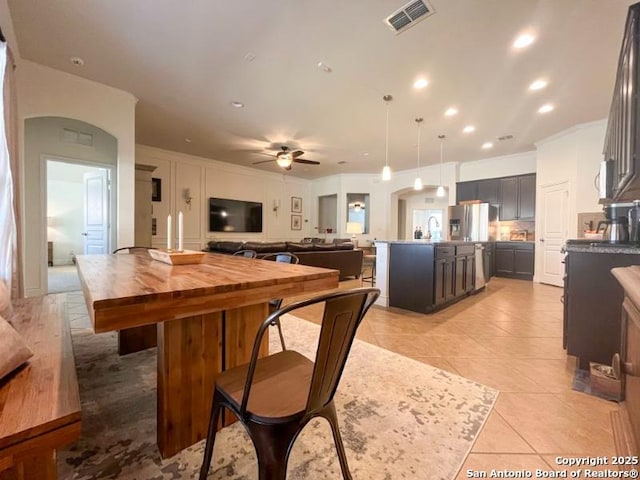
366,154
487,145
469,129
324,67
77,61
250,57
523,40
538,85
546,108
451,111
187,140
237,104
420,83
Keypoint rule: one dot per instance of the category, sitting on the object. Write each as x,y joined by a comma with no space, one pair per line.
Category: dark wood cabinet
623,129
514,260
518,197
515,196
466,191
593,302
489,190
425,277
527,197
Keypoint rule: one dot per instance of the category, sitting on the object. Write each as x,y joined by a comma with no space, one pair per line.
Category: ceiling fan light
440,191
284,161
386,173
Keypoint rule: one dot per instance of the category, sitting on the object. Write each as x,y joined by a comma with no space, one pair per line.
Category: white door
554,232
96,212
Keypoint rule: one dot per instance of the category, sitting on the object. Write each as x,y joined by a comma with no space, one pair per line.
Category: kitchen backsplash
506,229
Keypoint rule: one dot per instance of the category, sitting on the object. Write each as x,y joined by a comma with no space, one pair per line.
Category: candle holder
176,257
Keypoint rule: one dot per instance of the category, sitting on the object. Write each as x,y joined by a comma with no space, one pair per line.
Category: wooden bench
40,403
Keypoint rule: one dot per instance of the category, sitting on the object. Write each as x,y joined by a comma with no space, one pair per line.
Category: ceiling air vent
409,15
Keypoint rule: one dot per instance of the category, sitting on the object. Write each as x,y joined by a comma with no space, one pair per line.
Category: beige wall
205,178
45,92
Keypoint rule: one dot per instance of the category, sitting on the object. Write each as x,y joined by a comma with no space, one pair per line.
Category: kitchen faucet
428,234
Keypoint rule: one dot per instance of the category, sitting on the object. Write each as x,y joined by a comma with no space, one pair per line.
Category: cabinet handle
542,239
562,299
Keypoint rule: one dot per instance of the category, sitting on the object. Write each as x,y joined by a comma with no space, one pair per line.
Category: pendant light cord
441,147
386,142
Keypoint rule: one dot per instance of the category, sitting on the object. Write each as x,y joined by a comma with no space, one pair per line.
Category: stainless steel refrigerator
473,222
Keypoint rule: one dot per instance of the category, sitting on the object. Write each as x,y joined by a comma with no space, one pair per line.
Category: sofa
338,255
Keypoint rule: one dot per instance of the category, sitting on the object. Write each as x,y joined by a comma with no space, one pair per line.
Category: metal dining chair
274,397
246,253
283,257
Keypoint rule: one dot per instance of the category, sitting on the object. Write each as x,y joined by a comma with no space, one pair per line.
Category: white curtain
8,233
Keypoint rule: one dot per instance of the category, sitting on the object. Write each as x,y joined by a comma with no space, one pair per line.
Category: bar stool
369,261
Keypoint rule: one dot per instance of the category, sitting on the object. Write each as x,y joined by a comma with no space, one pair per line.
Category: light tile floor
508,337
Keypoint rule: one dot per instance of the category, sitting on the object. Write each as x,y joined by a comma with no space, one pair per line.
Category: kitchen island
423,276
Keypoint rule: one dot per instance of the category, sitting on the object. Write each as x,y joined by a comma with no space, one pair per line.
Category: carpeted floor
63,278
399,418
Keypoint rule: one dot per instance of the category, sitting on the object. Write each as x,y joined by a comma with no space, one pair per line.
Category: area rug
400,419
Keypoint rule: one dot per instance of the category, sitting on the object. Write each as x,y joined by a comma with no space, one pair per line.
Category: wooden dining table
207,315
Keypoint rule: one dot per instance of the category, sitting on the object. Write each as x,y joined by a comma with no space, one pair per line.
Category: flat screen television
227,215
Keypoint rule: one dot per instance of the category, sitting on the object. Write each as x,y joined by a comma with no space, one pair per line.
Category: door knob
85,234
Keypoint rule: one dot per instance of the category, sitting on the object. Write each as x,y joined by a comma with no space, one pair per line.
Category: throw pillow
13,351
5,301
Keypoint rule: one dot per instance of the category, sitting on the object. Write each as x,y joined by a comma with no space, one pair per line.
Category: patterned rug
399,418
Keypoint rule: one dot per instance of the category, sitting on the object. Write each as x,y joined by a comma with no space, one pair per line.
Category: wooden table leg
136,339
32,467
189,358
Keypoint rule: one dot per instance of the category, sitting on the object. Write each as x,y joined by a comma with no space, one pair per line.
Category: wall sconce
276,205
186,194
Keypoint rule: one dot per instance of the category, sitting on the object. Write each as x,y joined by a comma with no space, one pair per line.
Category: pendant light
440,191
417,184
386,171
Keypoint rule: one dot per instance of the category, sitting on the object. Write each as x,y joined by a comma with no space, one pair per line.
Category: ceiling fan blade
308,162
264,161
297,153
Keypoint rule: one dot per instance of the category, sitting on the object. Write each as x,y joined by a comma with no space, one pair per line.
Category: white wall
45,92
495,167
574,156
43,139
207,178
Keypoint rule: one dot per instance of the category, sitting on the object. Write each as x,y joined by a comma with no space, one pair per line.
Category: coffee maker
616,225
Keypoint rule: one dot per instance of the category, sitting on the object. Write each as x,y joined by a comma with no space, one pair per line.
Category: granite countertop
515,241
596,247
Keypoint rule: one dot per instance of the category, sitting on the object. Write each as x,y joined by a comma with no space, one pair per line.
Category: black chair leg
330,414
211,435
272,444
284,347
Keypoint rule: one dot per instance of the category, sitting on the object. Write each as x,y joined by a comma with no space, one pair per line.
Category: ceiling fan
285,158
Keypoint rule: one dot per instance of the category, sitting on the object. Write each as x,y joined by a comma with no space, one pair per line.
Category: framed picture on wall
156,189
296,204
296,222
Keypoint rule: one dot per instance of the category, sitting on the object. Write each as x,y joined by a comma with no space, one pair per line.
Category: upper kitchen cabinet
622,158
484,190
489,190
518,197
466,191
